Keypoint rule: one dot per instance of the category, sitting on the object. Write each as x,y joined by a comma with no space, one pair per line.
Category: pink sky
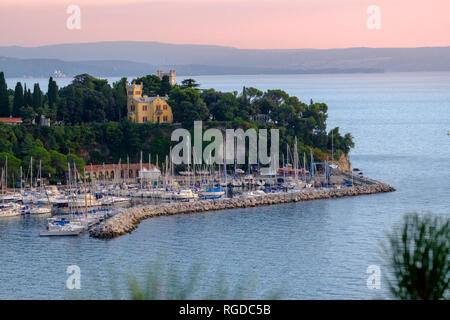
261,24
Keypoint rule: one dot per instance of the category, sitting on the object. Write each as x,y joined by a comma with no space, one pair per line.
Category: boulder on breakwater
128,220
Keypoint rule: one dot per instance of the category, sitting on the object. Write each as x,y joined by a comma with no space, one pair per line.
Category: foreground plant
163,283
418,255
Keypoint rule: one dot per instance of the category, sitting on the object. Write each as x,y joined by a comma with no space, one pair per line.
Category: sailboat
40,209
7,209
212,193
184,194
62,227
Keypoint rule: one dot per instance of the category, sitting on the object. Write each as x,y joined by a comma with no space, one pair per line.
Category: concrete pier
128,220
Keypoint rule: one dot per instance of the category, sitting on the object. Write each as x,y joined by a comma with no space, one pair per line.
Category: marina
82,206
89,198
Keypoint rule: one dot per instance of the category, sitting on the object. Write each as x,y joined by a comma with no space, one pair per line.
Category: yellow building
142,108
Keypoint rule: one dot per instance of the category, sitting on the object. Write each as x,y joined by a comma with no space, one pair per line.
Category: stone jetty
128,220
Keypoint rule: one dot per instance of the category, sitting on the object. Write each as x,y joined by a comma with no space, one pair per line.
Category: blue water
311,250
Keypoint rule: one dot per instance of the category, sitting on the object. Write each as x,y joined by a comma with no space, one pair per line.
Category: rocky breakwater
128,220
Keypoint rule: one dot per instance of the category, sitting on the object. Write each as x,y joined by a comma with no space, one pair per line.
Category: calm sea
310,250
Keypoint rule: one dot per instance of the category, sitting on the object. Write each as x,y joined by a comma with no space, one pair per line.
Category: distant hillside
13,67
118,58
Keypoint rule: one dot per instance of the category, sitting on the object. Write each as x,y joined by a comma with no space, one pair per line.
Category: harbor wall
128,220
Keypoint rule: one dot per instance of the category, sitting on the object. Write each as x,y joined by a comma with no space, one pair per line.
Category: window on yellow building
144,108
144,119
165,107
165,118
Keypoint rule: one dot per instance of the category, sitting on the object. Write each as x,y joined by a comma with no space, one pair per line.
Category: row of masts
38,182
168,169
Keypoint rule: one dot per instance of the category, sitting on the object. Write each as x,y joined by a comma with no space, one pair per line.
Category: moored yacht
212,193
63,227
10,210
184,194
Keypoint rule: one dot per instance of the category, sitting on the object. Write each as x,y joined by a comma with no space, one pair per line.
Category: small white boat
10,210
288,184
114,200
184,194
62,227
248,178
255,193
40,210
63,205
236,183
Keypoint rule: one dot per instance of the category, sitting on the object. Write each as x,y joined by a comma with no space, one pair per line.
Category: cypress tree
52,92
37,96
4,100
19,100
27,97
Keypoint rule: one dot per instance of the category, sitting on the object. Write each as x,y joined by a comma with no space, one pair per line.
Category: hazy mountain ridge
126,57
13,67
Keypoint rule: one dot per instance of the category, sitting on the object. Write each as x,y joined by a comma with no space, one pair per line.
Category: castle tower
172,75
134,90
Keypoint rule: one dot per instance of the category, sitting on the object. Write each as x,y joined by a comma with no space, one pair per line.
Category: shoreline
129,219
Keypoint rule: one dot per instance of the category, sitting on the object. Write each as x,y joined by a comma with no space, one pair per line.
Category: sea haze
102,59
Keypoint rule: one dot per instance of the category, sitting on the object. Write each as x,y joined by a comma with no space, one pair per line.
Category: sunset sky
258,24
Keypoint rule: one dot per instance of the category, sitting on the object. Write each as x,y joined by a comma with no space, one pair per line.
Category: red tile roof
11,120
96,167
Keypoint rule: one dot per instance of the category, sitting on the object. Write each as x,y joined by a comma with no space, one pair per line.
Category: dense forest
89,122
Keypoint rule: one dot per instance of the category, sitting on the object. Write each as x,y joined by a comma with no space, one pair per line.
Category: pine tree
19,101
165,86
4,100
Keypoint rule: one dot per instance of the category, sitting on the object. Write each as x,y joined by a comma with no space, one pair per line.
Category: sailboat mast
31,173
128,169
295,160
68,185
6,174
140,166
332,145
85,193
225,161
304,166
40,176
